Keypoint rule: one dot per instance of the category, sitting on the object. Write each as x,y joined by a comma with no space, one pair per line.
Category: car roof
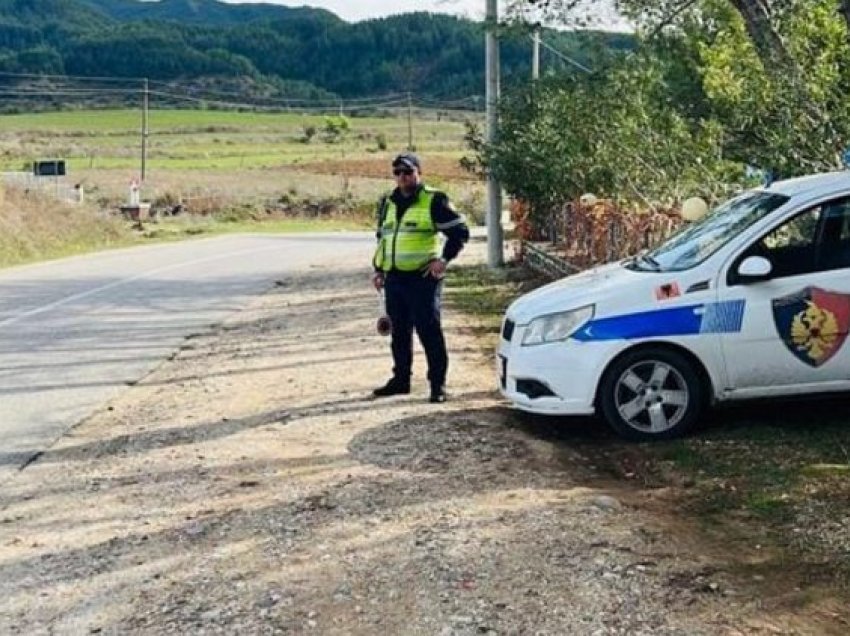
824,183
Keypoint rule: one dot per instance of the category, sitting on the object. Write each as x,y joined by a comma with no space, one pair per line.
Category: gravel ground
250,485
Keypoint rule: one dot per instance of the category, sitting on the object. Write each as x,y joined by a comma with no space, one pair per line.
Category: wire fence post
409,121
144,129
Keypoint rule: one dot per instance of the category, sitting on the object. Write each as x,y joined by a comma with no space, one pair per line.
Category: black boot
438,395
396,386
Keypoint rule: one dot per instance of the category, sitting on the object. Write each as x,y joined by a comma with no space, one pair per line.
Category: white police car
752,300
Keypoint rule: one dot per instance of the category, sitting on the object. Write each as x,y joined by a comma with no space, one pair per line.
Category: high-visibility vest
410,244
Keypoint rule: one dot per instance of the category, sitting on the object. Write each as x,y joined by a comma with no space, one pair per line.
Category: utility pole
495,256
144,130
535,53
409,121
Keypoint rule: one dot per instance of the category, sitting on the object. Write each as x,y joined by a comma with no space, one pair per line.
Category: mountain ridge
301,52
209,12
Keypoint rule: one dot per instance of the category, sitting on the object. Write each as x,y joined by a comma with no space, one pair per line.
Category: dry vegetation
33,227
222,171
441,168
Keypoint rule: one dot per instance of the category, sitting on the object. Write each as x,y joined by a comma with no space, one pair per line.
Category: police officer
409,265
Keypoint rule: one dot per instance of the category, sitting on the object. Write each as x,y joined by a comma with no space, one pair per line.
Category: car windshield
699,240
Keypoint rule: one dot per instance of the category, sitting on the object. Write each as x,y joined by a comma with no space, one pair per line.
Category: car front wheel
652,393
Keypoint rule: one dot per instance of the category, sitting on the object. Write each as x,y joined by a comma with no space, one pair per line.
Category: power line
68,91
457,105
211,96
443,100
74,77
563,56
387,101
266,108
474,99
60,93
330,101
281,104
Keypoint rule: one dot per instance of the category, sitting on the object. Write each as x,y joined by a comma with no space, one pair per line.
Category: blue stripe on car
723,317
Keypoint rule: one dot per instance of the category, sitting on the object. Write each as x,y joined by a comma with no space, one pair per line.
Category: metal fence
581,236
53,187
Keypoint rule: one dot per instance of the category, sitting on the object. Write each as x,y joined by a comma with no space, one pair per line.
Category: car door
793,336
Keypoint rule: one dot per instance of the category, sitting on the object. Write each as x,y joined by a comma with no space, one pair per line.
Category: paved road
75,332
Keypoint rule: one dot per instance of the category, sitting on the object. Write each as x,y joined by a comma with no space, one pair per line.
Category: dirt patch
251,485
445,443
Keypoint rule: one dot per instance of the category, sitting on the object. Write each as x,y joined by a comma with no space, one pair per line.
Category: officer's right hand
378,280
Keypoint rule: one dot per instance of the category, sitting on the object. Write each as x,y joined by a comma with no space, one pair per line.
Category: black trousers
413,302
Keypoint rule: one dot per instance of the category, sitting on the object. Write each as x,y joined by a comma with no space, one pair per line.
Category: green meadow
205,139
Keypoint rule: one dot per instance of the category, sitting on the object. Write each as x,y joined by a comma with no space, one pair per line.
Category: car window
817,239
834,248
790,248
697,241
799,232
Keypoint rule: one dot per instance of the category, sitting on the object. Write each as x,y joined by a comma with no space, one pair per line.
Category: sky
354,10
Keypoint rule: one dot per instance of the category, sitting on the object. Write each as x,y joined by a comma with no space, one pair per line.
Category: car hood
589,287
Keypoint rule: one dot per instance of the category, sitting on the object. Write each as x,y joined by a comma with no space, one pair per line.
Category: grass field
219,163
236,157
186,139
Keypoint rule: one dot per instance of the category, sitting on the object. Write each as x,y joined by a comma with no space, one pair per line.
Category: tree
757,18
715,88
844,8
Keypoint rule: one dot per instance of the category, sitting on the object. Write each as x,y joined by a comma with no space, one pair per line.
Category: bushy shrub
241,212
335,129
309,132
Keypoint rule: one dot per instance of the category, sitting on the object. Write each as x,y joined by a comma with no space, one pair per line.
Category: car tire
652,393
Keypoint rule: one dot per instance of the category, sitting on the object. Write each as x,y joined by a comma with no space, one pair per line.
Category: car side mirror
753,269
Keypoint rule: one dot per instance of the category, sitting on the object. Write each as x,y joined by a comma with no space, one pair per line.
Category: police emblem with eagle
813,323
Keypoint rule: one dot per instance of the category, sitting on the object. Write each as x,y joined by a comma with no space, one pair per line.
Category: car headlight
556,327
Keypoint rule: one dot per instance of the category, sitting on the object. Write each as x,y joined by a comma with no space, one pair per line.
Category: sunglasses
404,171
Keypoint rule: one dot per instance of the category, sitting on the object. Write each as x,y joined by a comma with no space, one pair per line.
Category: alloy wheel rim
651,396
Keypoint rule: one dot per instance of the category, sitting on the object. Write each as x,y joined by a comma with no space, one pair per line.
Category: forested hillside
436,55
208,12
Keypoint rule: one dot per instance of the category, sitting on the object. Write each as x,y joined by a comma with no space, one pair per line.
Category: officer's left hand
436,268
